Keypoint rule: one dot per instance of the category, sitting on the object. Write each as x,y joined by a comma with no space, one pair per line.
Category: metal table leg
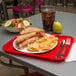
10,64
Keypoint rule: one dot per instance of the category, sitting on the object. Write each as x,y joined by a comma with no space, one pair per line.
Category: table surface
48,68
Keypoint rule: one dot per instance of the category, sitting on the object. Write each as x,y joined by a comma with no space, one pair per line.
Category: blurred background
6,12
69,6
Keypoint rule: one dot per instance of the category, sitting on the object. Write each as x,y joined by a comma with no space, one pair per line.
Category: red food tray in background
50,55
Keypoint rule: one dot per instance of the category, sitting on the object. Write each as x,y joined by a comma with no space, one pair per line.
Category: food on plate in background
17,23
43,44
28,36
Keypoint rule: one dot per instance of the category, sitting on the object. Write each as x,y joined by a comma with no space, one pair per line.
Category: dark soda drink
48,16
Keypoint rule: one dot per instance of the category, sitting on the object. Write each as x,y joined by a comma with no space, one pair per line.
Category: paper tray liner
50,55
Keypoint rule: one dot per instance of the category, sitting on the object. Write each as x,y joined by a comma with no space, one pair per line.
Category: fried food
33,47
28,36
43,44
25,36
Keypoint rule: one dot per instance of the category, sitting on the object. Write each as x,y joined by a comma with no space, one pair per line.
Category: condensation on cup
48,16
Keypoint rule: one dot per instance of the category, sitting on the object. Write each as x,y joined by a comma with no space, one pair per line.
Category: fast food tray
50,55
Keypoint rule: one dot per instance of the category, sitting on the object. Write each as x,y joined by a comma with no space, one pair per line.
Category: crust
31,29
25,36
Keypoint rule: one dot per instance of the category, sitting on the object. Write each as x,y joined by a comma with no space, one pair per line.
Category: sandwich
31,29
28,36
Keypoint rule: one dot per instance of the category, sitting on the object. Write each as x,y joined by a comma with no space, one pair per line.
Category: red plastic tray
8,47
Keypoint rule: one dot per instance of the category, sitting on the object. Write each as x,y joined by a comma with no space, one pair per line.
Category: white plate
27,51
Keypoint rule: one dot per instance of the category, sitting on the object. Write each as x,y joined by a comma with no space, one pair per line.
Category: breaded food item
33,47
40,40
31,29
27,42
43,44
25,36
28,36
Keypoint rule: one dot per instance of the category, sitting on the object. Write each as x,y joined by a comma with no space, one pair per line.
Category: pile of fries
43,43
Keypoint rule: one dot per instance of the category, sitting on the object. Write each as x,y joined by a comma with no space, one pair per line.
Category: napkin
72,54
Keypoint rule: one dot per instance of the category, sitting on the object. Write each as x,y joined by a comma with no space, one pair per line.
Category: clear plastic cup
48,16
